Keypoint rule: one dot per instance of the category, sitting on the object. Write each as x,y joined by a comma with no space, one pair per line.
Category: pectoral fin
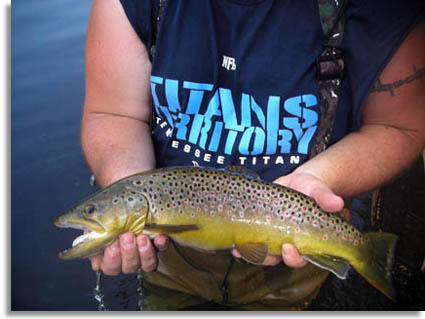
337,266
164,229
254,253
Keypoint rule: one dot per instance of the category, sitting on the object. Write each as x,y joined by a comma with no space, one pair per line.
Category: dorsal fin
243,171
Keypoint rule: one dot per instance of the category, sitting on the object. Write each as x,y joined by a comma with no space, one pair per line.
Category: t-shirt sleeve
374,32
142,15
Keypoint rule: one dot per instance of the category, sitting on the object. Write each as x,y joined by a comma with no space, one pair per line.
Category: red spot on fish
220,208
356,242
297,229
325,237
241,214
268,218
198,209
344,236
304,208
165,190
315,223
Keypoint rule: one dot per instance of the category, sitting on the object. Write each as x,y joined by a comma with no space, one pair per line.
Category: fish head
103,217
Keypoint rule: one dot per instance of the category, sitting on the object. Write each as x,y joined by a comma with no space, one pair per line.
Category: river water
48,169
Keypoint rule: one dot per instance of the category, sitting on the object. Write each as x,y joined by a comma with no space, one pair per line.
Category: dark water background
48,169
49,175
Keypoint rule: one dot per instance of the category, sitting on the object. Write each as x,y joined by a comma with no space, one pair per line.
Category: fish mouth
91,242
81,246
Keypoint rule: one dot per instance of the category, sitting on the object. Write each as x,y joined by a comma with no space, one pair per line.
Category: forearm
116,146
365,159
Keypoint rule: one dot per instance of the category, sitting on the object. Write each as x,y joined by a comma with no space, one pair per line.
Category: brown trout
213,209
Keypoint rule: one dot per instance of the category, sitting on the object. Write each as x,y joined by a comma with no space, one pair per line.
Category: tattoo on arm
389,87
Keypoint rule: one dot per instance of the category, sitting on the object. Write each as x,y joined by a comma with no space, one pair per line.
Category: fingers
95,262
128,254
291,257
161,242
111,261
272,260
147,253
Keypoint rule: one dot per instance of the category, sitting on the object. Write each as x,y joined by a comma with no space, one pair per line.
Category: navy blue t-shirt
234,82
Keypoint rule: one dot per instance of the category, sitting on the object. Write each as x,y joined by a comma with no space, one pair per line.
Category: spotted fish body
213,209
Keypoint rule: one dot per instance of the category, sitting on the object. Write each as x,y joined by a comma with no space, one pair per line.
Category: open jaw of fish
89,243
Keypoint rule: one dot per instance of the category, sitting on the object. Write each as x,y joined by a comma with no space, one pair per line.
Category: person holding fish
235,83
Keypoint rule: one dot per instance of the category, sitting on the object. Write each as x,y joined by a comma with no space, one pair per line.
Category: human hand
128,254
312,185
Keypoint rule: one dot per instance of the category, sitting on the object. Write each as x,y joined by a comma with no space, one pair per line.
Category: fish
212,209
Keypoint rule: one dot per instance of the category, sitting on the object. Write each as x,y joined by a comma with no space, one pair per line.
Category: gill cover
104,216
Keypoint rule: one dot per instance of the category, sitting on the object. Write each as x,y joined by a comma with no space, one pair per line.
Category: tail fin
378,271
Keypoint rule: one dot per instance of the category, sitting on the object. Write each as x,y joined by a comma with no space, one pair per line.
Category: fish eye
89,209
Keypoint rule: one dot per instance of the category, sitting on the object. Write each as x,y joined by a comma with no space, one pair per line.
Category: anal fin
339,267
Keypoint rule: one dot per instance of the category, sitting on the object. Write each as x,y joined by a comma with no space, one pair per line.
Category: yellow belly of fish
217,234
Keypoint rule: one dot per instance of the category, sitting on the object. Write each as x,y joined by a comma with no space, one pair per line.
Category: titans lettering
280,127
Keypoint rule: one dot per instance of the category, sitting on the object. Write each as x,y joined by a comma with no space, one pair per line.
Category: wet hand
313,186
130,253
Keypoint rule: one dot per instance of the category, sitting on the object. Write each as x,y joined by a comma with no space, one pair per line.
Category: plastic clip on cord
330,65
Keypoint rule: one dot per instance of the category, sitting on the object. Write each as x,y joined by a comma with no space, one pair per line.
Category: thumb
326,199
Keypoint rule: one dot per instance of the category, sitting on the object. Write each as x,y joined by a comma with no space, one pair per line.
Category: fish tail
378,271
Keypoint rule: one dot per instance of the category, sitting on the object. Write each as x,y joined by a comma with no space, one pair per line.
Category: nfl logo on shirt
229,63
